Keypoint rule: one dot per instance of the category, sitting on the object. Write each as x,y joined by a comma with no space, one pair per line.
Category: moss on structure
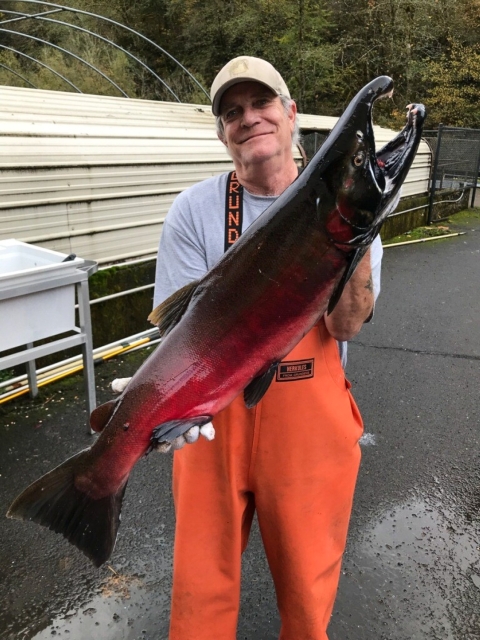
416,211
125,315
454,223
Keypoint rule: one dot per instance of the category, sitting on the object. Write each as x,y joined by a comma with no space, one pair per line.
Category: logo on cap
238,67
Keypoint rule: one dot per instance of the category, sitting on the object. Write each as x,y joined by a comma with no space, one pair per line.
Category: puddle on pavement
118,612
416,569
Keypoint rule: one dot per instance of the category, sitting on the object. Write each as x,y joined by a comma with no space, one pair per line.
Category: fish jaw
395,158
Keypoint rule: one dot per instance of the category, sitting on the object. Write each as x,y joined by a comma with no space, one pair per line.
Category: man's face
256,126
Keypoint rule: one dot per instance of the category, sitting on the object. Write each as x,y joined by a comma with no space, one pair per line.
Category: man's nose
250,116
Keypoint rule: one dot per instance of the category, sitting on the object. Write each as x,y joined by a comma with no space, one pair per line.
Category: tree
454,87
325,49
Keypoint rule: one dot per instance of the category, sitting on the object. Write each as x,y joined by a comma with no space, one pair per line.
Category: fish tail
55,502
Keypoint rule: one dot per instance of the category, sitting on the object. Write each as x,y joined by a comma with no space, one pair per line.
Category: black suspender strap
233,210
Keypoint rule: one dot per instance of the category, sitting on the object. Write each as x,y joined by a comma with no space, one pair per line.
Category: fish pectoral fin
101,415
168,431
257,388
169,313
355,258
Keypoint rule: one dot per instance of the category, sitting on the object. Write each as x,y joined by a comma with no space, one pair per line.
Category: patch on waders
295,370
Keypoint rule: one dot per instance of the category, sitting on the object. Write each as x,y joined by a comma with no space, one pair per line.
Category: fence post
434,174
475,179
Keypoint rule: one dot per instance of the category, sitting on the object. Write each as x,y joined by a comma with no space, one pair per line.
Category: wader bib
294,459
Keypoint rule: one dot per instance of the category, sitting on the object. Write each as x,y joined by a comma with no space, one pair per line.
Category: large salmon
225,334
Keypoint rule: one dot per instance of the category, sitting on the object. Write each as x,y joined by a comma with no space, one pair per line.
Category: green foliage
288,33
325,49
455,87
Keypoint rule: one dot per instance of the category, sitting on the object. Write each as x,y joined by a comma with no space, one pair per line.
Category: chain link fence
456,161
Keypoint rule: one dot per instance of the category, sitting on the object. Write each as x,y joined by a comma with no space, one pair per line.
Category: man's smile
255,135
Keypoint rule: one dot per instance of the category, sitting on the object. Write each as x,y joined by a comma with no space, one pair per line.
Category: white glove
119,384
189,437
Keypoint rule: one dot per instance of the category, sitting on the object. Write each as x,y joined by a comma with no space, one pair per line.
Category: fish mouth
356,123
394,160
389,166
365,183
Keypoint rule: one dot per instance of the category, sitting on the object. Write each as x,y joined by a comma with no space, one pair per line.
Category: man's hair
286,102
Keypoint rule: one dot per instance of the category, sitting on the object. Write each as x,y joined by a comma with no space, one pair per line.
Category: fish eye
359,135
358,159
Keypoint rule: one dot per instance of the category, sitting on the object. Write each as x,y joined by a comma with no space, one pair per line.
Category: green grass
454,223
467,215
419,233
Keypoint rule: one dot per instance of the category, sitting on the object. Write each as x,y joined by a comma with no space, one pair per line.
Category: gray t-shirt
193,238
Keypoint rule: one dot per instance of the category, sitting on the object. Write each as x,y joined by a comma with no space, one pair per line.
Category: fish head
356,183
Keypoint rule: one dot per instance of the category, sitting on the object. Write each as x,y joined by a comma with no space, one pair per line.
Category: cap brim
230,83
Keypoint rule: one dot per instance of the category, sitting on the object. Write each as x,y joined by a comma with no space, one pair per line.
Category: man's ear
293,110
222,139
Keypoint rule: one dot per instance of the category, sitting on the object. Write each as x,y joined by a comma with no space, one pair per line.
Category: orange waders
294,458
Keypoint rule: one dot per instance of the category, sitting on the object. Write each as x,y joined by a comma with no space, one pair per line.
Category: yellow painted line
16,394
74,368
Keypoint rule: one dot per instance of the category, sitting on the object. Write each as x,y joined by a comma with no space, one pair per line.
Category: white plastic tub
41,312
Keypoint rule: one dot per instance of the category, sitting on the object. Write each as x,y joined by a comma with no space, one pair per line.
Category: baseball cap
242,69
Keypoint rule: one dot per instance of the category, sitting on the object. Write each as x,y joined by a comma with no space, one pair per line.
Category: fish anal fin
101,415
55,502
257,388
168,431
169,313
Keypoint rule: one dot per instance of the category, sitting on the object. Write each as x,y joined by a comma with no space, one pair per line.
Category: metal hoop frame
40,16
25,55
4,66
68,53
57,8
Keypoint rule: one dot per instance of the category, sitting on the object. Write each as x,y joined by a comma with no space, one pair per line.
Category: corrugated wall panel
45,186
96,175
51,151
111,246
40,223
54,106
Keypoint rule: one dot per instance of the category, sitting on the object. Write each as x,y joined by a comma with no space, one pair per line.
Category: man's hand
189,437
355,305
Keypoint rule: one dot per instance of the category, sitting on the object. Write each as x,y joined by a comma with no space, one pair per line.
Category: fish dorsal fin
101,415
354,258
169,313
257,388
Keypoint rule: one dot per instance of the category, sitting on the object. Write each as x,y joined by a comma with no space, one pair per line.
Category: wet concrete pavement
412,567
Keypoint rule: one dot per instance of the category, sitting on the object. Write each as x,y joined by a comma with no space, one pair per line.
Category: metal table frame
83,333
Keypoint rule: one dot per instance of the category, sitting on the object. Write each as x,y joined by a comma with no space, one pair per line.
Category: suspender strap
233,210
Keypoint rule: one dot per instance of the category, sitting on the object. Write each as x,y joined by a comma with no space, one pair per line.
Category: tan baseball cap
242,69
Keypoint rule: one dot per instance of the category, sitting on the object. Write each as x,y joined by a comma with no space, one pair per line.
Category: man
293,458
